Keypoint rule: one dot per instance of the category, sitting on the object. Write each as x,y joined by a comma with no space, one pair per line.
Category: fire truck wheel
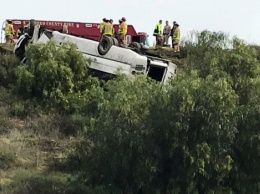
115,41
135,45
104,45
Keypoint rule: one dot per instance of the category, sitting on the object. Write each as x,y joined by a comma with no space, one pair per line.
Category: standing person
172,31
158,33
20,31
26,27
166,33
101,27
176,38
123,31
108,29
9,32
119,31
113,29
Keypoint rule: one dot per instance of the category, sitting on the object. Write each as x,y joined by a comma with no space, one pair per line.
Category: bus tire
115,41
104,45
135,45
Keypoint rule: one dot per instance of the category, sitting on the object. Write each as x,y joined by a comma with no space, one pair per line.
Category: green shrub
7,160
5,100
8,62
51,74
198,134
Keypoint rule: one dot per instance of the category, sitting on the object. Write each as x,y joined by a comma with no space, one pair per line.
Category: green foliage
239,64
18,109
191,136
163,136
7,64
51,74
197,134
7,160
5,100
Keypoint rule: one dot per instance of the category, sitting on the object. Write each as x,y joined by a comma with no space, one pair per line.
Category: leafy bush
51,74
155,129
191,136
7,64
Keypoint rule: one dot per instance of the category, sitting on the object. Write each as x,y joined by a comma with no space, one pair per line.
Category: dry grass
6,48
29,148
32,148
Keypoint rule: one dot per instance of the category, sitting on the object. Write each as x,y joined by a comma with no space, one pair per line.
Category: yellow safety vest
120,31
176,34
159,28
108,29
124,27
101,27
9,29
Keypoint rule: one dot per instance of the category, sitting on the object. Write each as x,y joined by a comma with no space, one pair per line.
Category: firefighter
108,28
172,32
9,32
20,31
122,31
26,27
23,29
118,31
113,29
101,26
176,38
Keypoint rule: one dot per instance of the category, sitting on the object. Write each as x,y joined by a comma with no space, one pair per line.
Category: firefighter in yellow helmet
122,31
118,31
113,28
9,32
176,38
108,28
101,26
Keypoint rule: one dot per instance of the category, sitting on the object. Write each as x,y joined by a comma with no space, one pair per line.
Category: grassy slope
29,147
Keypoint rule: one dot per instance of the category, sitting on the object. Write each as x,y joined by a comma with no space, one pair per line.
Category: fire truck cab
81,29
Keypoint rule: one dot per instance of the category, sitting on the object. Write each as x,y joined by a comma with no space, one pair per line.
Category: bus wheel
135,45
104,45
115,41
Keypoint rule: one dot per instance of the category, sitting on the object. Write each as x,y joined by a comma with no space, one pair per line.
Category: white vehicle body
116,59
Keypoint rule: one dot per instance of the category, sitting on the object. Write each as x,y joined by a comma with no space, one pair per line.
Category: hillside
64,131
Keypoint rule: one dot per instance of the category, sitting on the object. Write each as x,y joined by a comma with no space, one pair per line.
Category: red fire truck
85,30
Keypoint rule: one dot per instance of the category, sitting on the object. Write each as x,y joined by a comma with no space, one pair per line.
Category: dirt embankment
167,53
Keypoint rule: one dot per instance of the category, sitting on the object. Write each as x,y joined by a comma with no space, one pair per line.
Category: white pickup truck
107,57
